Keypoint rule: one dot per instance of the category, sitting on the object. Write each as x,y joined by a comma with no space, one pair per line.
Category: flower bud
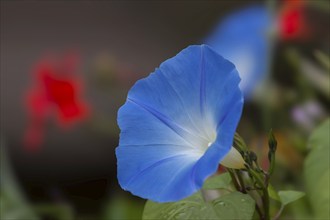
253,157
272,143
239,143
233,160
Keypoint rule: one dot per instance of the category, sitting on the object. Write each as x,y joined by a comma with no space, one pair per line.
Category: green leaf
230,206
13,204
273,194
323,59
289,196
221,181
317,171
123,207
57,211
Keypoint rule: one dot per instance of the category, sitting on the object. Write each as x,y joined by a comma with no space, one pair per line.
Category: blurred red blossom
56,91
292,21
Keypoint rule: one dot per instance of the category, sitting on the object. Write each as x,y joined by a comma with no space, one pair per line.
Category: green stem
265,195
240,180
272,164
233,177
259,211
265,200
278,214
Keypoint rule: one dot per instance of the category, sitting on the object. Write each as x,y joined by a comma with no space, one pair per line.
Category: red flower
57,91
292,21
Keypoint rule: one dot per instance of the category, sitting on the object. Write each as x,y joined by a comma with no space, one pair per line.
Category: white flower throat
233,159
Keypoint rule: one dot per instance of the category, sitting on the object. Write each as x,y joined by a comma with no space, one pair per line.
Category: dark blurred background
117,42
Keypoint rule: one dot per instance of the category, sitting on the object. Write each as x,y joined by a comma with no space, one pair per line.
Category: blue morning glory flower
242,39
178,124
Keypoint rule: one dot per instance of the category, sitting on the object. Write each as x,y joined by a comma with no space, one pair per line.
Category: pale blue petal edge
245,31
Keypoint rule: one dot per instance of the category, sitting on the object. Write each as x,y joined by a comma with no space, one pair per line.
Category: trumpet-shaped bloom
178,124
242,39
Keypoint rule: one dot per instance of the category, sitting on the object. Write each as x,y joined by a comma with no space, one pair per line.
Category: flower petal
242,39
168,121
150,171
